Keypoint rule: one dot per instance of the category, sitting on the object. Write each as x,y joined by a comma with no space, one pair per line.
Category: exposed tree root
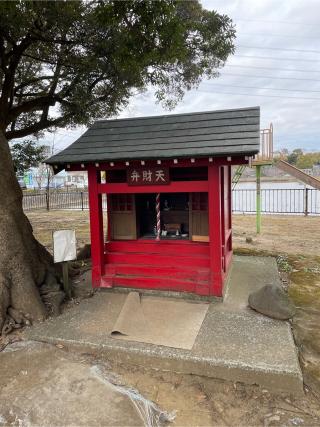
30,284
5,341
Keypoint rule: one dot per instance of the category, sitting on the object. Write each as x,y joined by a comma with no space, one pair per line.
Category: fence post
306,191
47,199
258,199
81,195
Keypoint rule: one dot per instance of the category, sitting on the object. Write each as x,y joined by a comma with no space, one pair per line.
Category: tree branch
45,61
35,104
32,81
2,53
42,124
8,83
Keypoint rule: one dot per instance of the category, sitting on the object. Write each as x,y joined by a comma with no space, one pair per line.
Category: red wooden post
230,205
108,236
96,226
215,236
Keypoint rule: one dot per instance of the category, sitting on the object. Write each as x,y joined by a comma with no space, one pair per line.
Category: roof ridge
197,134
178,114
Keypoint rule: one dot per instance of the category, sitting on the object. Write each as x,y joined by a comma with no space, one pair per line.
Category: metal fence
274,201
278,201
56,200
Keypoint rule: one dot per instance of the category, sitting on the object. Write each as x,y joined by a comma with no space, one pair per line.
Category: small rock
249,239
296,421
272,301
218,406
59,346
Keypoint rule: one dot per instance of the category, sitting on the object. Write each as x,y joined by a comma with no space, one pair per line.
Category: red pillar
215,233
96,226
230,205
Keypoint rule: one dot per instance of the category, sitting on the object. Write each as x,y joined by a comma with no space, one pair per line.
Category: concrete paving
234,342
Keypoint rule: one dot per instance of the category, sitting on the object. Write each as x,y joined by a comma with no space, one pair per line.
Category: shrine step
158,259
188,273
180,279
163,246
161,283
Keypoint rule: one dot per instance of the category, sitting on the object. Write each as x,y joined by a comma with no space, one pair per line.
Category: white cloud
261,24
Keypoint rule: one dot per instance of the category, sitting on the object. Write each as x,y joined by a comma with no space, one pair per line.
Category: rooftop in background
202,134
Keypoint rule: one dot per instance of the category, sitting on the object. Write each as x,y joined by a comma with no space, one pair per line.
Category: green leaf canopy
65,63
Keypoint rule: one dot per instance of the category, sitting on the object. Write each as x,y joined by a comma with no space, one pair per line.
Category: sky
276,66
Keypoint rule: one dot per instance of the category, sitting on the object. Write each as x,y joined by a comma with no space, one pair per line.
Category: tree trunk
25,265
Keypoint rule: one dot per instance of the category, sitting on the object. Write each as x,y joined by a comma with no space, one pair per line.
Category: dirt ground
44,223
207,402
280,233
42,384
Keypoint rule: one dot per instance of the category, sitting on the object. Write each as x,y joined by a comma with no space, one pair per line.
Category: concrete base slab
234,343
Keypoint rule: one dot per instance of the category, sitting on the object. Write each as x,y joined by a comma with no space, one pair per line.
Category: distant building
76,179
37,178
47,151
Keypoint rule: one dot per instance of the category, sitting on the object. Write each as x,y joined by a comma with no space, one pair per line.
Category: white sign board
64,245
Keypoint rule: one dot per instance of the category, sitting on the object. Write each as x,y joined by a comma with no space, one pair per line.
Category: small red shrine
167,183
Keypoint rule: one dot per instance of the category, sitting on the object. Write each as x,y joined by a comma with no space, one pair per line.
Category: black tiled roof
210,133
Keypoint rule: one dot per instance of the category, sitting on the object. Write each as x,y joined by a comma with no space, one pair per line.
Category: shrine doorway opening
174,214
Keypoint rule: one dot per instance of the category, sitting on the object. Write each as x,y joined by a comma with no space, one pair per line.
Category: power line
269,77
273,68
261,96
279,48
277,22
290,36
266,88
277,59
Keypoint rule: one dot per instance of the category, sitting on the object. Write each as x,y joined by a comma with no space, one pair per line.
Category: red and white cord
158,216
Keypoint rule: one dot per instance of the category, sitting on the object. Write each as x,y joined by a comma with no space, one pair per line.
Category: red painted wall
210,269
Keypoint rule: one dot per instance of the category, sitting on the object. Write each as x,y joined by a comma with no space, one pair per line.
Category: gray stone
273,302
